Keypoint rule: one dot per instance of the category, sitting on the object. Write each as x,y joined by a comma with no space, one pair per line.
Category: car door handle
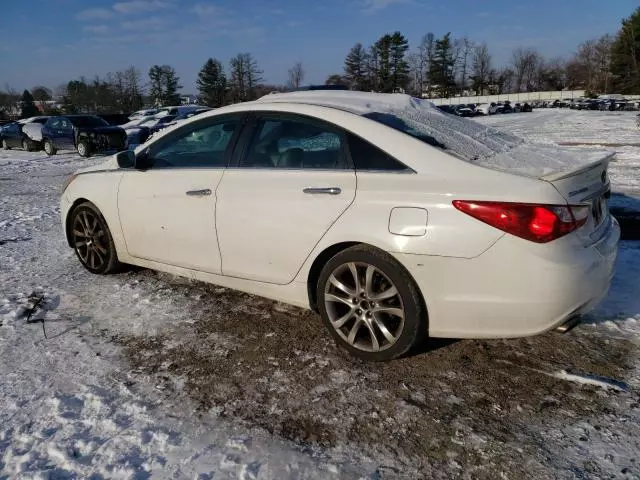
199,193
324,190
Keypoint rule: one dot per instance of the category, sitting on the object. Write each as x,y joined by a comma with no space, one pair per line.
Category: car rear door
167,211
290,180
64,134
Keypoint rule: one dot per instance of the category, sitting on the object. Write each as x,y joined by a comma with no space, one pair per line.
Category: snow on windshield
463,138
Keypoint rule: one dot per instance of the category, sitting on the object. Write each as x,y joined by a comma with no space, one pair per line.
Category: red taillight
538,223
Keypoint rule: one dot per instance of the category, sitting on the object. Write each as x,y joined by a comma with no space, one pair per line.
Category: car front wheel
5,145
84,148
92,241
370,304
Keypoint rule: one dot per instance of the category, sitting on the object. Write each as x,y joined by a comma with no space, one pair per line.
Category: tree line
440,66
445,66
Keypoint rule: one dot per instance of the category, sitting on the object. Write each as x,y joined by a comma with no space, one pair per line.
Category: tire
92,240
5,145
378,322
48,147
84,148
27,145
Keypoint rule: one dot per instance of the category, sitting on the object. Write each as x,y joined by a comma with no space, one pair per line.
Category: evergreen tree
27,106
212,83
398,66
625,56
155,84
171,84
441,70
164,85
383,54
355,68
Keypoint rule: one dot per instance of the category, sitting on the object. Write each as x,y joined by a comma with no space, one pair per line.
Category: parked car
147,112
447,109
140,132
526,107
12,136
342,202
88,134
483,109
180,112
464,111
495,108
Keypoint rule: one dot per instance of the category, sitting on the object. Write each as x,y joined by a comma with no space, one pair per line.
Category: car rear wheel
27,145
49,149
84,149
5,145
370,304
92,241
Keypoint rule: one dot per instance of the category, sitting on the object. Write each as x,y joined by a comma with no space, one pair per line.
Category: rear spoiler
569,173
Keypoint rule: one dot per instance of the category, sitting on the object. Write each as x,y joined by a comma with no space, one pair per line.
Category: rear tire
49,149
5,145
27,145
92,240
370,304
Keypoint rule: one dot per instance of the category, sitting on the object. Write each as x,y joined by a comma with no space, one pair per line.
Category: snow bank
466,139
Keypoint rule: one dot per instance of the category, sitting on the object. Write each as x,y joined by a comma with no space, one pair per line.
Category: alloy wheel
82,149
89,240
47,148
364,306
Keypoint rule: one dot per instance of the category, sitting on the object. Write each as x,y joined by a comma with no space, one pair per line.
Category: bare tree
419,63
466,48
525,61
296,75
481,69
590,67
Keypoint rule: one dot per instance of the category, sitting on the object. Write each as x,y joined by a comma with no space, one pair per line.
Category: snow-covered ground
146,375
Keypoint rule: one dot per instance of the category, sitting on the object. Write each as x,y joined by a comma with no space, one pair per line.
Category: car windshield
88,122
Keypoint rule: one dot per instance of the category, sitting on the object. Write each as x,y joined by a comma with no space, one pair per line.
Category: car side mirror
126,159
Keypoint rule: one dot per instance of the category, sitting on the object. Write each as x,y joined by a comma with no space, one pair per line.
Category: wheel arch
325,255
316,267
67,220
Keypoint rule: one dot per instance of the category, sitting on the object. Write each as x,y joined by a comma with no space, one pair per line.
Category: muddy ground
474,409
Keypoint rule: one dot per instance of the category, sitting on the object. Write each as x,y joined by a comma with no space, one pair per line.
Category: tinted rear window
466,139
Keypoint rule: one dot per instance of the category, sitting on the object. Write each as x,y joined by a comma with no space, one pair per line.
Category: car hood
103,130
109,164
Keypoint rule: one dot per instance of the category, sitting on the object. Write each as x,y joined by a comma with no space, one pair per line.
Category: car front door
289,181
167,208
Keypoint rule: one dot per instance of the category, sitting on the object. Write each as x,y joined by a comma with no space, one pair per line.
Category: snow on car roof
466,139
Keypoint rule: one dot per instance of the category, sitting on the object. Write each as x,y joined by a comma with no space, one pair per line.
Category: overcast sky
52,41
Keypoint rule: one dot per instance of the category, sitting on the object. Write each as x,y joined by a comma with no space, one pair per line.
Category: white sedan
390,218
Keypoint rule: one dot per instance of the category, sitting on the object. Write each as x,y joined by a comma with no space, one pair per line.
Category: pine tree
27,106
212,83
171,84
155,84
441,70
383,54
398,66
355,68
625,56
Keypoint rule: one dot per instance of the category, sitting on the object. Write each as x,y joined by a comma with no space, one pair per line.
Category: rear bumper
516,288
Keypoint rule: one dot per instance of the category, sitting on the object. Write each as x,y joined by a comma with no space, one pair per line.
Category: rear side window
368,157
295,143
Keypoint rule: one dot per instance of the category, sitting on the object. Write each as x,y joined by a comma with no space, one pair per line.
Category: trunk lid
587,185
